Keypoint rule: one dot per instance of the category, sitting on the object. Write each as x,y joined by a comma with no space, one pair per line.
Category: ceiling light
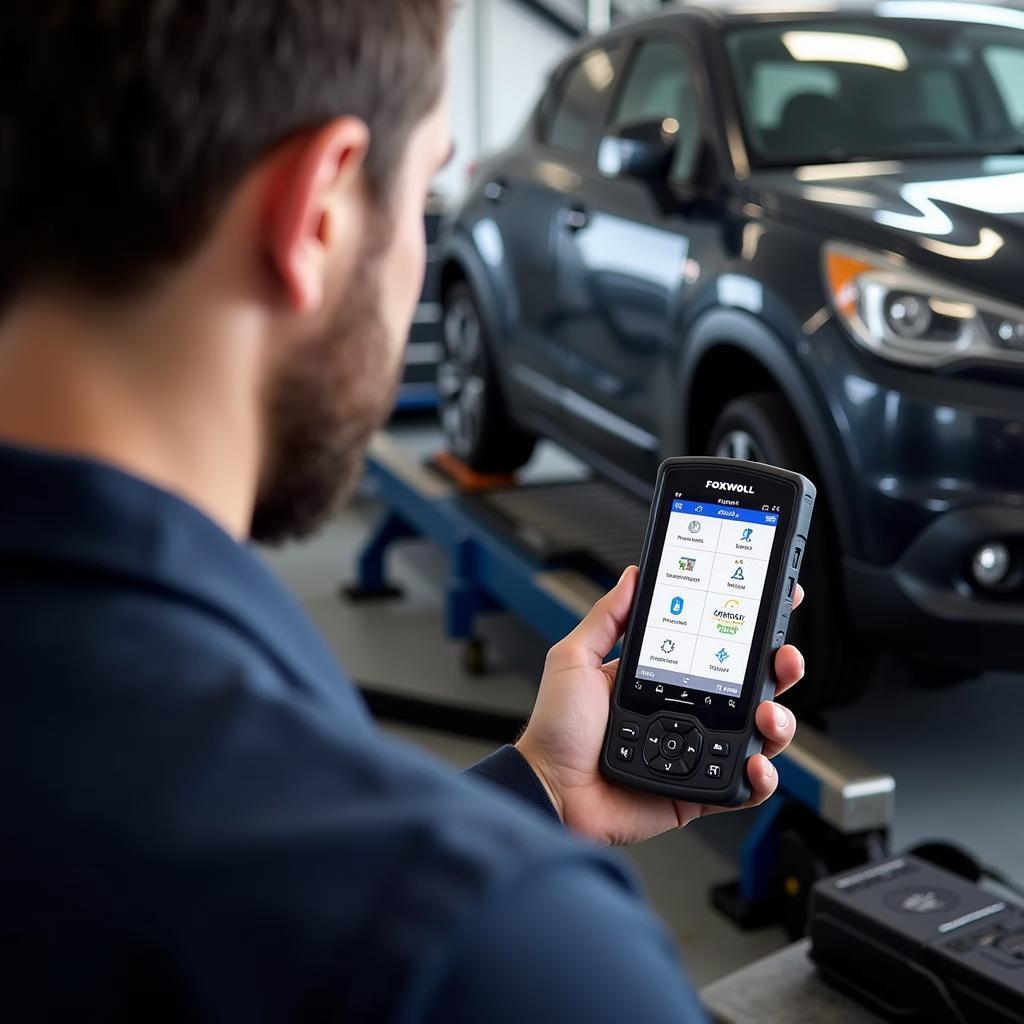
845,48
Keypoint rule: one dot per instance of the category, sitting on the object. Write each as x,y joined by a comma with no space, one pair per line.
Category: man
211,214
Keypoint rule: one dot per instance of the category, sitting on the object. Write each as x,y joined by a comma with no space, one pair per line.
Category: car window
938,98
870,88
576,113
1006,65
943,102
773,84
660,84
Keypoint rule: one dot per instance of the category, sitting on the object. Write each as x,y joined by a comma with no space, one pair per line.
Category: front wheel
474,418
762,428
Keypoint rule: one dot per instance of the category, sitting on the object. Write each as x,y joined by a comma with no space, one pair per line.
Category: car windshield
834,91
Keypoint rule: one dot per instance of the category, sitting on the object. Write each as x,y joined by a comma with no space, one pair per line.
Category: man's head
296,137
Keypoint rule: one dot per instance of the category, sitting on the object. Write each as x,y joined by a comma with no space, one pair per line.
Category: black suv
794,238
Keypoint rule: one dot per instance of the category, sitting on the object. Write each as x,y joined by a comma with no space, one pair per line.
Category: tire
762,428
474,417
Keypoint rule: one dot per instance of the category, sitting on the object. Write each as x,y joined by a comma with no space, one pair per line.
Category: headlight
907,317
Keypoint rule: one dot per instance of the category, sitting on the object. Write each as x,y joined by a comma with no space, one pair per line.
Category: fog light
992,564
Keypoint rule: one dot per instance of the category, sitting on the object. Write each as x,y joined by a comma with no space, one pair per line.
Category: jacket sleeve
510,771
570,944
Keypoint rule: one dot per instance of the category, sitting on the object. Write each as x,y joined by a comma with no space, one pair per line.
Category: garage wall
502,53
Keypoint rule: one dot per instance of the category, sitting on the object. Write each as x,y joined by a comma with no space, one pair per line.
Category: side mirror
641,149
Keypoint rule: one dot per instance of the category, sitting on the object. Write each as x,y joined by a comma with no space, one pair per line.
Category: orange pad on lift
468,479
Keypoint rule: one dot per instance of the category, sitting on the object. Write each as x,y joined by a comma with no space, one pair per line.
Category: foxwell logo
719,485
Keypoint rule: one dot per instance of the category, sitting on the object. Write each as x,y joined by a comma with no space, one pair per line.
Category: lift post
833,810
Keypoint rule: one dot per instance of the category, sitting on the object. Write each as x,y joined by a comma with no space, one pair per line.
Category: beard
324,406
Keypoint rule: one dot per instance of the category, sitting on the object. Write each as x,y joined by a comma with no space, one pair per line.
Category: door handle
495,190
576,219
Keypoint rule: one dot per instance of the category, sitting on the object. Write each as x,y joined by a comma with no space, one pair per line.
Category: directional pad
672,747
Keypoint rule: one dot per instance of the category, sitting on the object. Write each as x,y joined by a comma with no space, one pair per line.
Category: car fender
491,286
742,330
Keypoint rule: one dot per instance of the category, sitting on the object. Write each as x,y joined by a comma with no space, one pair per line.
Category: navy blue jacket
201,823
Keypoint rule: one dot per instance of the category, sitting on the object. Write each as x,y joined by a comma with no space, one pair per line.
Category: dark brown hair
126,124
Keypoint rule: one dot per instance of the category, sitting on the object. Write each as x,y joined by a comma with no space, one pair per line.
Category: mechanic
211,213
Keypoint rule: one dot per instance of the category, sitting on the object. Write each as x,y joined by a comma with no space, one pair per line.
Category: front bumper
935,465
926,608
914,445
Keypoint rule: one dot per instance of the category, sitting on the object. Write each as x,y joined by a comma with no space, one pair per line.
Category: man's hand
563,741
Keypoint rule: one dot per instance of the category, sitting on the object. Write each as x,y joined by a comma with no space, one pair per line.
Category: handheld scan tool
717,578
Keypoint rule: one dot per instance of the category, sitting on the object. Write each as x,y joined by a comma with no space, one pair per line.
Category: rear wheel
474,417
762,428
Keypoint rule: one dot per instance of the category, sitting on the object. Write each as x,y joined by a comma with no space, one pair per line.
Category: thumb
593,639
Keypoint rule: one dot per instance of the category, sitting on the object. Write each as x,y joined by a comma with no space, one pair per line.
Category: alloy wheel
461,387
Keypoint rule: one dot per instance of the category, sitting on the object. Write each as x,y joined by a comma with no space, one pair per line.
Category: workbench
784,988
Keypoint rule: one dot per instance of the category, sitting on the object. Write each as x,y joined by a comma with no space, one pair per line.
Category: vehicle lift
539,552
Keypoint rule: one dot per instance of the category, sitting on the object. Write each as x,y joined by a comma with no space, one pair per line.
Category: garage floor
955,754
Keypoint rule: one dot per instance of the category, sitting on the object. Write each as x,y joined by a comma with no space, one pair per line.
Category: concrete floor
955,753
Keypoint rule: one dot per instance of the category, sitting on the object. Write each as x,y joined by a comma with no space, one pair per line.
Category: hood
962,219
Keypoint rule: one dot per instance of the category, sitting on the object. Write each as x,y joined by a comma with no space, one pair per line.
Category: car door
528,190
625,257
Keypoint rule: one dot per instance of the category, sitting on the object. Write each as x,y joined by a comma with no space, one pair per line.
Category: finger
777,725
798,597
592,640
764,780
789,668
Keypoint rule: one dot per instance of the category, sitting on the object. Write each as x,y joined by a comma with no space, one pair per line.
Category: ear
317,187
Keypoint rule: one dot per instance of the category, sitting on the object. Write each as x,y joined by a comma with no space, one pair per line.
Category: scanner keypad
672,747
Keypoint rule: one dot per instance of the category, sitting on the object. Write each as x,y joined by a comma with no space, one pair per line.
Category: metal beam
554,17
599,16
